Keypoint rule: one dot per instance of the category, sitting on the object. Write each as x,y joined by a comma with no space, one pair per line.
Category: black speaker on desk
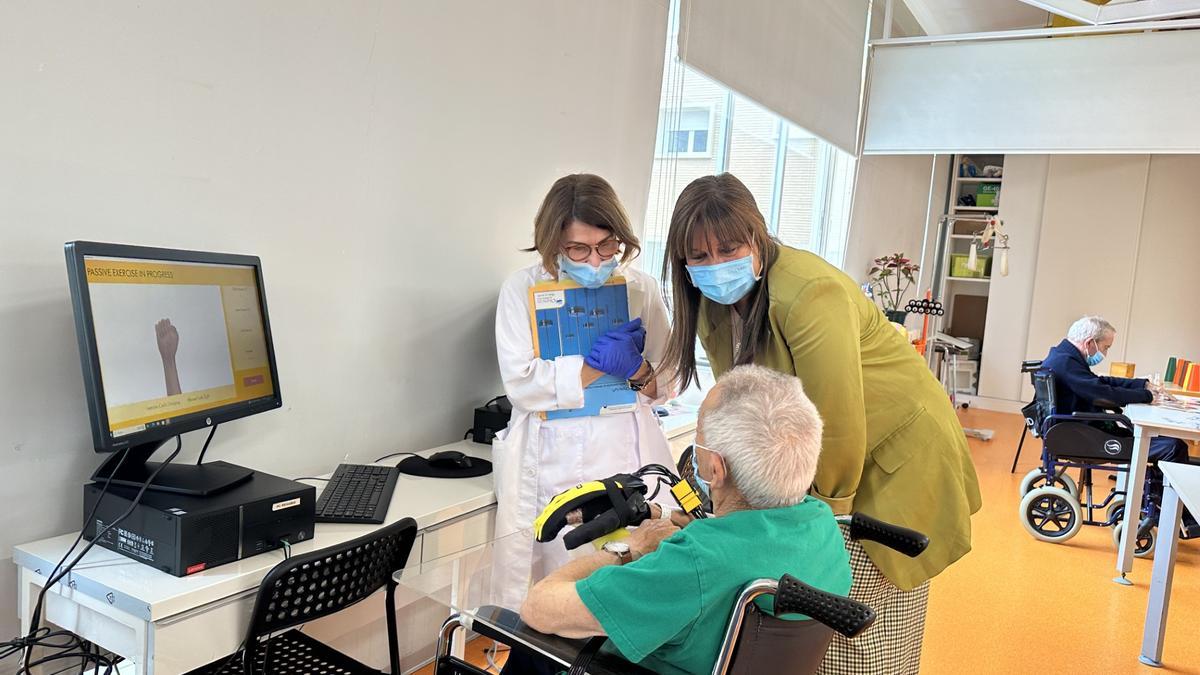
490,419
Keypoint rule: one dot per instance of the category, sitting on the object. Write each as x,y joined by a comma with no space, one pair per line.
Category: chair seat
291,653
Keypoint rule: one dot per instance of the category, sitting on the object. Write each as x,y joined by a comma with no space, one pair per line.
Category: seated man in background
1078,389
758,439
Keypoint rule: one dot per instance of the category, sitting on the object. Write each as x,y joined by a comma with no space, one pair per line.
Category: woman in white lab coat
582,233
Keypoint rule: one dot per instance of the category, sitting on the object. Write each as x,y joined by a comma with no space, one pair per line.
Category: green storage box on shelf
988,194
958,266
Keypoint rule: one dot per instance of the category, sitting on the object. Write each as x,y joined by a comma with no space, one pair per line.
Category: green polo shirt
667,611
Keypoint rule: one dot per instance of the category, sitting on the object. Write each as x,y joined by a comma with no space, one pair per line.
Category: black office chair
309,586
1029,412
754,642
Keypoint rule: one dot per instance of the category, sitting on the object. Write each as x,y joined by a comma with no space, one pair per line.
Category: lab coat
535,459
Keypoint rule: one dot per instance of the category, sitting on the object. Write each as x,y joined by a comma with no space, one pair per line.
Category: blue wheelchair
1053,506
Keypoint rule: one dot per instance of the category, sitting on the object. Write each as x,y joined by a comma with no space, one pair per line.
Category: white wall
1009,298
1163,320
384,159
892,210
1088,247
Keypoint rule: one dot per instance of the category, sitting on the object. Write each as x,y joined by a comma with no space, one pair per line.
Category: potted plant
890,277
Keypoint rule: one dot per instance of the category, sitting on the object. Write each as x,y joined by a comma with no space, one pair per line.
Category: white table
1181,482
165,624
1148,421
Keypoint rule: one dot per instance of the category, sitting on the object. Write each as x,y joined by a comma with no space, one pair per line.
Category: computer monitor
170,341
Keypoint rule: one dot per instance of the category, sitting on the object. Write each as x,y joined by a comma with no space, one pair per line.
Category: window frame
668,126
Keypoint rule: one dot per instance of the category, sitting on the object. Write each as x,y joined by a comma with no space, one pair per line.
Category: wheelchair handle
863,527
840,613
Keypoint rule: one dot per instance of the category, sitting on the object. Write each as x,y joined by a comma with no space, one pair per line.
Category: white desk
1181,482
166,624
1148,421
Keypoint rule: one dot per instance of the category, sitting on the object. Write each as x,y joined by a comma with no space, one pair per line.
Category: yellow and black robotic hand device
602,509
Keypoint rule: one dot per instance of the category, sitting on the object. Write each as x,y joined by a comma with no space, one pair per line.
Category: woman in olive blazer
893,447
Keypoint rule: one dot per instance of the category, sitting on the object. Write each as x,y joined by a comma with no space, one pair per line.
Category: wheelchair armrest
1092,417
840,613
909,542
506,627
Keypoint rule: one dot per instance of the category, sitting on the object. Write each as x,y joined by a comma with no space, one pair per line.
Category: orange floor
1017,605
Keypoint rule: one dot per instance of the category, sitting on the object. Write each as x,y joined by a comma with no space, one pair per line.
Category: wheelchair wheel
1115,510
1036,479
1051,514
1143,547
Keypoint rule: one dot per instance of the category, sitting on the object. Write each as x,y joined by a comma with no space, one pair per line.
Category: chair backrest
1031,367
756,642
322,582
770,645
1043,395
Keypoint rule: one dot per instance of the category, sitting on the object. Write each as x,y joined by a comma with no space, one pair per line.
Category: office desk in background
1181,483
165,625
1148,421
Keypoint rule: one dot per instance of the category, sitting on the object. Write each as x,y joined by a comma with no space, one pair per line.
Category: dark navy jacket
1076,387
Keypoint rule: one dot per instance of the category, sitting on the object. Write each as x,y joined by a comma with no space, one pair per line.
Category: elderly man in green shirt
664,604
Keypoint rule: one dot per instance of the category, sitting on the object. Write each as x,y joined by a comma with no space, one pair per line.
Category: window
801,183
684,132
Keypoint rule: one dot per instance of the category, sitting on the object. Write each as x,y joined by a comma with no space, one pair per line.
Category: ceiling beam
1075,10
1147,10
925,16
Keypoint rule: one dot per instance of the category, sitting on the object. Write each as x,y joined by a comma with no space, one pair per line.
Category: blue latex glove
635,329
619,351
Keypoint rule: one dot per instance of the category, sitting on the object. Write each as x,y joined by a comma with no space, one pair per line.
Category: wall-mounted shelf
977,280
987,209
965,179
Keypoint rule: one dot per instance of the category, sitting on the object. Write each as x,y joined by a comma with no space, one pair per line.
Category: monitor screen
172,340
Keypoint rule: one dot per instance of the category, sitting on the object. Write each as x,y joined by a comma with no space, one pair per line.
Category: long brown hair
724,207
589,199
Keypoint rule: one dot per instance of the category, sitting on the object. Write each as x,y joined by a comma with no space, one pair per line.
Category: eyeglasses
580,252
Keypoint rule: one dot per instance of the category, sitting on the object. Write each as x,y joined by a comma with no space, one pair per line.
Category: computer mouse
450,459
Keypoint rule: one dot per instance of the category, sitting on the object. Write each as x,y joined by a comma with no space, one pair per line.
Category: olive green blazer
893,447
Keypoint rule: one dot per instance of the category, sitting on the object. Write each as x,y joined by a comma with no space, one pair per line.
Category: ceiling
941,17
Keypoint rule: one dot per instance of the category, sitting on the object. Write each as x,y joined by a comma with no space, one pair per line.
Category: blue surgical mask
725,283
1095,359
584,274
705,486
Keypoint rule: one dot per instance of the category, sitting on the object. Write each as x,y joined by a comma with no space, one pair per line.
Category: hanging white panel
803,59
1127,93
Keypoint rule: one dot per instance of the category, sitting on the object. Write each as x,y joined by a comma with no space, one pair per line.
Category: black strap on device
585,656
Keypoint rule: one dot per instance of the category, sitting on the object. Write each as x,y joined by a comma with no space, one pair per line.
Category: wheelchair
1053,506
754,642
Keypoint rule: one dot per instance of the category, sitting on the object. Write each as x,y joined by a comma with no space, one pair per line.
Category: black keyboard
357,493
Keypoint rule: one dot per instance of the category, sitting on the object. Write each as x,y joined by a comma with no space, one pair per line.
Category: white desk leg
1133,502
1160,582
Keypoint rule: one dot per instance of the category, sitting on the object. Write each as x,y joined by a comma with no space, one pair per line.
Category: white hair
769,433
1089,328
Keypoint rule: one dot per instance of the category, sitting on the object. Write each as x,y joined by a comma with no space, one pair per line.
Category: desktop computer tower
184,534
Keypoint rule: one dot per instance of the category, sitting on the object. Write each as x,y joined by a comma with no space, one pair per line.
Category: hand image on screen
168,343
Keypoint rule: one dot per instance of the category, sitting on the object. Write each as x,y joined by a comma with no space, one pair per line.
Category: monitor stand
185,479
